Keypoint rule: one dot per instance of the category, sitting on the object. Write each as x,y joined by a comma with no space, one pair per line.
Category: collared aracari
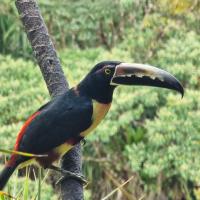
64,121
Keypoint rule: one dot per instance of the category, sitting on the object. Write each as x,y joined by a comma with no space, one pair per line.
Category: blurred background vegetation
151,134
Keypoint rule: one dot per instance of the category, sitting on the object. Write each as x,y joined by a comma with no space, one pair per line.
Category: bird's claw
68,175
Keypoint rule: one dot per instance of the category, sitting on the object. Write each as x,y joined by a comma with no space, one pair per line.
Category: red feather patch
20,135
23,129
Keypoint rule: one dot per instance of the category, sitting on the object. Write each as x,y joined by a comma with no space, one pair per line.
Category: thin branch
125,193
118,188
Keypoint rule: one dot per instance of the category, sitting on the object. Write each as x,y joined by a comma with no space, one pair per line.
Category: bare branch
42,46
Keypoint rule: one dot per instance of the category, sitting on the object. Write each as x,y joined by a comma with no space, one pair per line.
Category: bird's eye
107,71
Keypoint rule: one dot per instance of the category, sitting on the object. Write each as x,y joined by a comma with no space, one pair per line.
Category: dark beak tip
182,94
180,89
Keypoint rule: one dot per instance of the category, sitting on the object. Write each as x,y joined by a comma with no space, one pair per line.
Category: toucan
68,118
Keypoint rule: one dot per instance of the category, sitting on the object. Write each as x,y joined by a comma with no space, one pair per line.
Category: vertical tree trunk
55,80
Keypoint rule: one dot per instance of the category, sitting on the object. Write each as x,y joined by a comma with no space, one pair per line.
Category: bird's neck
98,92
99,112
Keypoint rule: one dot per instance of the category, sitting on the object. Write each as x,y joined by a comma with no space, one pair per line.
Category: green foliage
154,130
26,189
88,23
12,37
150,132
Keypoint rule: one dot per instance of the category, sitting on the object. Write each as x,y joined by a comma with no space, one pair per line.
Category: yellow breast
99,112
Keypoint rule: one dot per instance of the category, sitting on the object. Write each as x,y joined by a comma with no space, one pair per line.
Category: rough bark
55,80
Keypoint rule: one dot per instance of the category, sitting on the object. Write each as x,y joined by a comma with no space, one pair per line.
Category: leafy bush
150,133
83,24
153,130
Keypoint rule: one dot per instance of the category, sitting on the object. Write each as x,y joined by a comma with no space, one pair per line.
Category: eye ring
107,71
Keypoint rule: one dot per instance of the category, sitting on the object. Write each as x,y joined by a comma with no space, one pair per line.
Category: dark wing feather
62,119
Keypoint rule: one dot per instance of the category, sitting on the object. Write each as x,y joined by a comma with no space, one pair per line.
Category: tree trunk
55,80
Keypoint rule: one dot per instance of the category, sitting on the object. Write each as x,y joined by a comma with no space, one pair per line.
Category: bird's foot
68,174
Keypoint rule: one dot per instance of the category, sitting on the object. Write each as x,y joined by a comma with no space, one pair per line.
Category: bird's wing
28,122
62,119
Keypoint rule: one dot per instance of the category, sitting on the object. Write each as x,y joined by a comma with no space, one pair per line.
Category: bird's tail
5,175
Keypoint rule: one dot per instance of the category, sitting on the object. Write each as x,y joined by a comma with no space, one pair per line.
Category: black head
101,81
97,82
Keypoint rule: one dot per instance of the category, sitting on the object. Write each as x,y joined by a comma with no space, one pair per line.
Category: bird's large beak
139,74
